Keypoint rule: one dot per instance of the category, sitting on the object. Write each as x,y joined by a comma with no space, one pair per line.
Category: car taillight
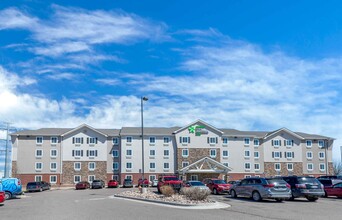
19,182
300,186
288,185
37,187
268,185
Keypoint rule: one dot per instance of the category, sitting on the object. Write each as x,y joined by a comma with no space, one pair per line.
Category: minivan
305,186
11,187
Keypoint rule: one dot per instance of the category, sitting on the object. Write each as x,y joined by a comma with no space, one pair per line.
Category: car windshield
219,182
32,184
310,180
196,183
96,181
170,178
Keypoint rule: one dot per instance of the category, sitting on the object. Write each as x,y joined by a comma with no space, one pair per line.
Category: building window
166,153
276,143
166,140
115,153
129,139
129,165
288,143
185,164
91,166
256,142
77,140
276,154
166,166
247,166
212,152
53,179
129,177
225,153
77,178
212,140
152,153
39,166
225,141
185,152
53,166
256,154
115,166
152,140
77,166
129,152
91,153
309,143
116,141
226,164
277,166
247,153
39,140
256,166
77,153
152,166
39,153
152,177
53,153
321,155
115,177
290,166
322,167
194,177
54,140
309,155
310,166
184,140
246,141
38,178
321,144
91,178
92,140
289,155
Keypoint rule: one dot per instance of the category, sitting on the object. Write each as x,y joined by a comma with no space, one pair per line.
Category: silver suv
262,188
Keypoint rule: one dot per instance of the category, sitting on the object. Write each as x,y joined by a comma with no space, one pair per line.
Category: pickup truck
11,187
171,181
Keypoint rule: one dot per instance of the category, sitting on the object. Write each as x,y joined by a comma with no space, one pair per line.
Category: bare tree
337,168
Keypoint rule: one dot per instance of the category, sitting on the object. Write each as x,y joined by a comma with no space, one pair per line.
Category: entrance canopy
205,165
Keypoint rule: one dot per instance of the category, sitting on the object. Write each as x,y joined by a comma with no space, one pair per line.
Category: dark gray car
96,184
305,186
262,188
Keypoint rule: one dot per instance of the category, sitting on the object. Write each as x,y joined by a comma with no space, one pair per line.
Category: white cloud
13,18
62,76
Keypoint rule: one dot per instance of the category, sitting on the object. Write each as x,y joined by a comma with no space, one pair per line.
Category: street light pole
142,138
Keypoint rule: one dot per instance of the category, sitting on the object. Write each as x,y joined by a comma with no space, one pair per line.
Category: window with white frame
226,164
246,141
53,153
39,153
91,178
129,177
247,153
256,154
256,166
166,153
53,166
166,166
129,152
129,165
225,153
92,140
38,178
277,166
53,179
115,153
212,140
321,155
185,140
77,140
276,154
276,143
91,166
92,153
289,154
129,139
77,166
289,166
247,176
185,152
194,177
39,140
320,143
39,166
288,143
185,164
152,166
225,141
310,166
115,177
256,142
152,177
322,167
152,140
166,140
115,166
309,143
115,141
77,178
247,166
152,153
309,155
54,140
212,152
77,153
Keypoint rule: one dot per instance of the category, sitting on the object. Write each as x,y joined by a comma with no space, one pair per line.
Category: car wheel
279,200
233,193
8,195
215,191
256,196
311,199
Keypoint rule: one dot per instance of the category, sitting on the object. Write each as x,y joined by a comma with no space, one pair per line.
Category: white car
155,183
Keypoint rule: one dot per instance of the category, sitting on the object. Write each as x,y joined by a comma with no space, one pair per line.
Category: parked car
330,177
82,185
217,186
329,182
232,182
305,186
113,184
45,185
143,183
196,184
11,187
2,195
127,183
169,180
334,190
155,183
259,188
96,184
34,187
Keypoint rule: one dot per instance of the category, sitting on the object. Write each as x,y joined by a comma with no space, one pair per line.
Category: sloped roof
198,121
147,131
285,130
313,136
197,166
237,133
43,132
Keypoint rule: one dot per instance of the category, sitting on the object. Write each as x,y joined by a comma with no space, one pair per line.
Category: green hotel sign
198,130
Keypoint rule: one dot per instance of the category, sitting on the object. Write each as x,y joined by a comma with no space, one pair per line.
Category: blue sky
249,65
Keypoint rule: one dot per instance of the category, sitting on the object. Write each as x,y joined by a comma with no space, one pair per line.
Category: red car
2,197
334,190
82,185
113,184
144,183
217,186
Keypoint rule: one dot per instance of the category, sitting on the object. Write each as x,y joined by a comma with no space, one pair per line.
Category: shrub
167,190
195,193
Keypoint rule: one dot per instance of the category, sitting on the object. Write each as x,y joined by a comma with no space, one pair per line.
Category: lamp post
142,139
326,159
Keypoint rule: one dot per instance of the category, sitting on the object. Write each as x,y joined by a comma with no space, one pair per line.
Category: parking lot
100,204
